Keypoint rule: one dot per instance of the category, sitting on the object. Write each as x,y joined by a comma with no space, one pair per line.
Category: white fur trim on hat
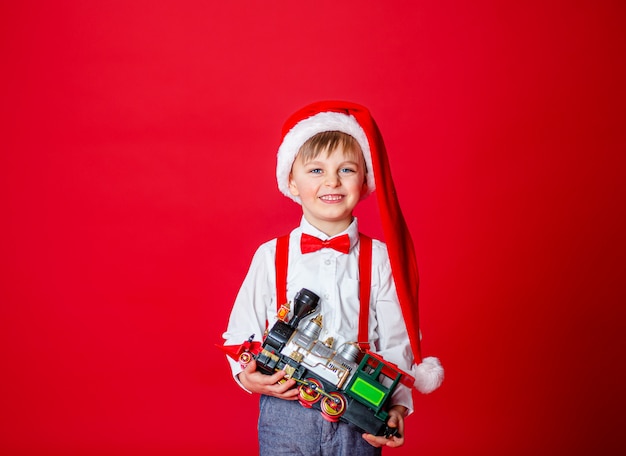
309,127
428,375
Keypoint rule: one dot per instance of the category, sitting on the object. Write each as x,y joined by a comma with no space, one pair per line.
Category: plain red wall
136,173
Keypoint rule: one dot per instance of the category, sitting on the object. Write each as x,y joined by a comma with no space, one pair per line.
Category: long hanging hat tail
397,235
428,372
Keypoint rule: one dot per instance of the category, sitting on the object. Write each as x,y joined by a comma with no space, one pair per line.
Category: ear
293,188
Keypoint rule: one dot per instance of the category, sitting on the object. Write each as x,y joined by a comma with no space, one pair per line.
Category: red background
136,174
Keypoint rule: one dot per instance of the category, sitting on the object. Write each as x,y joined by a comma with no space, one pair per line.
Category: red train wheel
333,407
309,393
245,359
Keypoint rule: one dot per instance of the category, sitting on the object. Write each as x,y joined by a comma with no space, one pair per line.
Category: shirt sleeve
257,294
387,327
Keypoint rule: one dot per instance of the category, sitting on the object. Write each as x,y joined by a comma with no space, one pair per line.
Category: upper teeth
331,197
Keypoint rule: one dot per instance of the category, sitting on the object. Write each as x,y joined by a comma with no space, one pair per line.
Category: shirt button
326,296
327,262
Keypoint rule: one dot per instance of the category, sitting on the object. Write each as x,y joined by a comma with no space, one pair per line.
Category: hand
271,385
396,420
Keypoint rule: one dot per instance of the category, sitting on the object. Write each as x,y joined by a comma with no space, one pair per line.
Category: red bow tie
310,243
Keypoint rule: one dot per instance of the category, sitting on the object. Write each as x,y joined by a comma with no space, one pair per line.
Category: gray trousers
288,428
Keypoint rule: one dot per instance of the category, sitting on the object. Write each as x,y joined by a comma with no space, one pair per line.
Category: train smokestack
305,303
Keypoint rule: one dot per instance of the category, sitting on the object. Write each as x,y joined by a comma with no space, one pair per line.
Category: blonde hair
329,142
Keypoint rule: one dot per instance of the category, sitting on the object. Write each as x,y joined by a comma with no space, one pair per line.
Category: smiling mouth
331,198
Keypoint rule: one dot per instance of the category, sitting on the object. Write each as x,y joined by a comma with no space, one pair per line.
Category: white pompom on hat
356,120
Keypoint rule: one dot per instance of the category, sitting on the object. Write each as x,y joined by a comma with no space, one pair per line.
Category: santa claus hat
356,121
294,138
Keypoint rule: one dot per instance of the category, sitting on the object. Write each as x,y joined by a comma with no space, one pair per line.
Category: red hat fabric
356,120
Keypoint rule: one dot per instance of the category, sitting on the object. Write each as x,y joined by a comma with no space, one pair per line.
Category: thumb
395,420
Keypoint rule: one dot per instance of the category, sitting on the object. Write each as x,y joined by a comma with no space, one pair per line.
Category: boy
331,157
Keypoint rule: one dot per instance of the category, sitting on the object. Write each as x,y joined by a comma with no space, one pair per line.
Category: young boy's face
329,186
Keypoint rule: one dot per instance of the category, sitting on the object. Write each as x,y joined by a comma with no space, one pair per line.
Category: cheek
358,184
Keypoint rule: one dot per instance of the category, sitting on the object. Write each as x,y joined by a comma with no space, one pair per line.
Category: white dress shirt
334,277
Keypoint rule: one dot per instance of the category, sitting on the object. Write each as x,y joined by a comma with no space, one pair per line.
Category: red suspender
365,286
365,280
282,260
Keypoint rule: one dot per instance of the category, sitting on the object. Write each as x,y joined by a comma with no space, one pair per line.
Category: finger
380,441
372,440
400,422
284,385
395,442
396,421
276,377
290,394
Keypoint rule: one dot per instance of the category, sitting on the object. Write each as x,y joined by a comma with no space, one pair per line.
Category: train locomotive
350,383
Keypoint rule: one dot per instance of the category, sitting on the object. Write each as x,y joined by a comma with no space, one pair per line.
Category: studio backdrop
137,178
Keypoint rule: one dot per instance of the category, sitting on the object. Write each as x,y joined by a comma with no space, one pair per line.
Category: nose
332,180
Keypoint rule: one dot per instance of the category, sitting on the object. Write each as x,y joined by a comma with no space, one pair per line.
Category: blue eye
346,170
316,171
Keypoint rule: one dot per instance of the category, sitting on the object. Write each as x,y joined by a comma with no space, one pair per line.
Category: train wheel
245,359
333,407
309,393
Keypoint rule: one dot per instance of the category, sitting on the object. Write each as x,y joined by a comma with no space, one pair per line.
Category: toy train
350,384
